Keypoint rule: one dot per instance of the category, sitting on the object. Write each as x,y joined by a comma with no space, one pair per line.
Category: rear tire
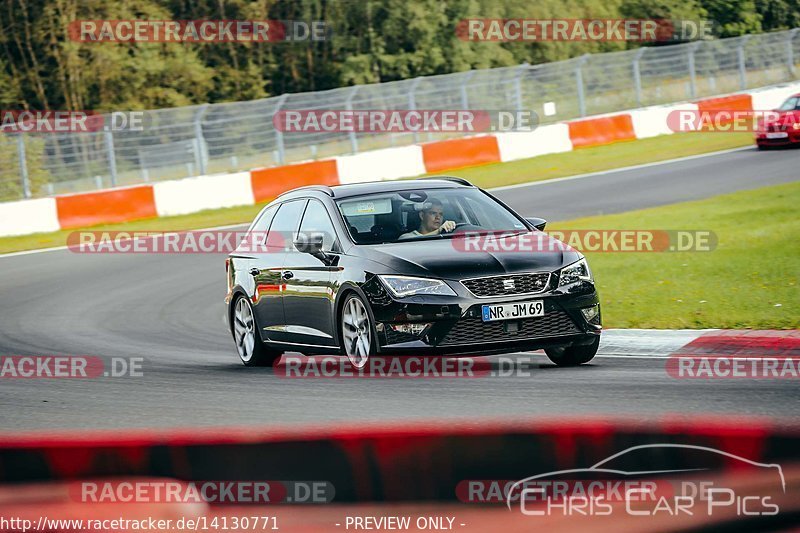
252,350
573,355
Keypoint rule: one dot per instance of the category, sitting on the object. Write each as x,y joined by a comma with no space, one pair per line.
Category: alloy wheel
357,332
244,330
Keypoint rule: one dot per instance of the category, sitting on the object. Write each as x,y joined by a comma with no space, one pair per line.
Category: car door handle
287,274
254,272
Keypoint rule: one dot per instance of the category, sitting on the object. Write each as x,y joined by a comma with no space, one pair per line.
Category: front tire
252,351
357,331
573,355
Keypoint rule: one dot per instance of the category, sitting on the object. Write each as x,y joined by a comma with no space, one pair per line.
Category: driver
431,221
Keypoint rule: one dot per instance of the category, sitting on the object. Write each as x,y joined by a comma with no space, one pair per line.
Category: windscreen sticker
377,206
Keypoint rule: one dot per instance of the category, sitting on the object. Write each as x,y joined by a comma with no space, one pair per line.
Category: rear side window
261,224
285,224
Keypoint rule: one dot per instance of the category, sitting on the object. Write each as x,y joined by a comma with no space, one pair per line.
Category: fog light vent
591,314
410,329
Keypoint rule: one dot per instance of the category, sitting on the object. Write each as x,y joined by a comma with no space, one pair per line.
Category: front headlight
578,271
401,286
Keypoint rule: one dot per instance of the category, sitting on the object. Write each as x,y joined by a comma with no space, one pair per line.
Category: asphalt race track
168,310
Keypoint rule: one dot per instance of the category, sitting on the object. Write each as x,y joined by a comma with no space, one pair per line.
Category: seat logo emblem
508,284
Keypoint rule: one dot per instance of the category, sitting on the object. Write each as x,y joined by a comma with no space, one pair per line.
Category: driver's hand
447,226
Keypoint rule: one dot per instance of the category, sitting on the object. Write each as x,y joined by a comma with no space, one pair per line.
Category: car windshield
424,214
791,104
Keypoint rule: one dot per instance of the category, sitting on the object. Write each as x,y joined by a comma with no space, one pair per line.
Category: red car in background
784,130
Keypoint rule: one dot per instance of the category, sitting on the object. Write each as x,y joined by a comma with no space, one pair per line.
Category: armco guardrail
230,137
190,195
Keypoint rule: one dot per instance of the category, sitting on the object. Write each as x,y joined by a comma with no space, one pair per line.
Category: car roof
358,189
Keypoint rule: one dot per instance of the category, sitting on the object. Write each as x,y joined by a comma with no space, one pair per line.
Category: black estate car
427,266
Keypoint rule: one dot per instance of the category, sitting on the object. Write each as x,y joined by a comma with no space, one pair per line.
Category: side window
316,220
261,224
285,223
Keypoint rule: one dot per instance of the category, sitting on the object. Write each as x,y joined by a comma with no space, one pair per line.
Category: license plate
490,313
777,135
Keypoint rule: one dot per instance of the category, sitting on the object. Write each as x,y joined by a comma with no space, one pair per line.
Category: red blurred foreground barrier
388,463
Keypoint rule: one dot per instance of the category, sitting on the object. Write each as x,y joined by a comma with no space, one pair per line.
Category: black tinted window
285,223
317,221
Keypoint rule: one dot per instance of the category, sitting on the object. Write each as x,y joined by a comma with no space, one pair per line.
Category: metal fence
214,138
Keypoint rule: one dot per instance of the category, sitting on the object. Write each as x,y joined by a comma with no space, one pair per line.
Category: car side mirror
538,223
311,244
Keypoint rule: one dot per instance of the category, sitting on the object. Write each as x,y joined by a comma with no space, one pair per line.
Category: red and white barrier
268,183
106,207
28,216
551,139
652,121
385,164
191,195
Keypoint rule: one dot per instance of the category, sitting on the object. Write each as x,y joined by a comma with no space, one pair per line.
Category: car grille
501,286
470,330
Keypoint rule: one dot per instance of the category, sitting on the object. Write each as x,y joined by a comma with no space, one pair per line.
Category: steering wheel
461,225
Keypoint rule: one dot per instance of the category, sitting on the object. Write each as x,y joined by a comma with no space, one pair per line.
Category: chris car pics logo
686,488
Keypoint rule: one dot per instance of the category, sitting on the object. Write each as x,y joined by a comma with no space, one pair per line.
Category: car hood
449,259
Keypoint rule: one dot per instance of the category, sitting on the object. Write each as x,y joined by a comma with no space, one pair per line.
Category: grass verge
749,281
534,169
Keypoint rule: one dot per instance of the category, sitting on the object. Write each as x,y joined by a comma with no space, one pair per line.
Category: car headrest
410,216
386,232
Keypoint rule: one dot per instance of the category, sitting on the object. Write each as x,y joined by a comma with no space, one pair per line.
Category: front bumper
455,325
793,137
